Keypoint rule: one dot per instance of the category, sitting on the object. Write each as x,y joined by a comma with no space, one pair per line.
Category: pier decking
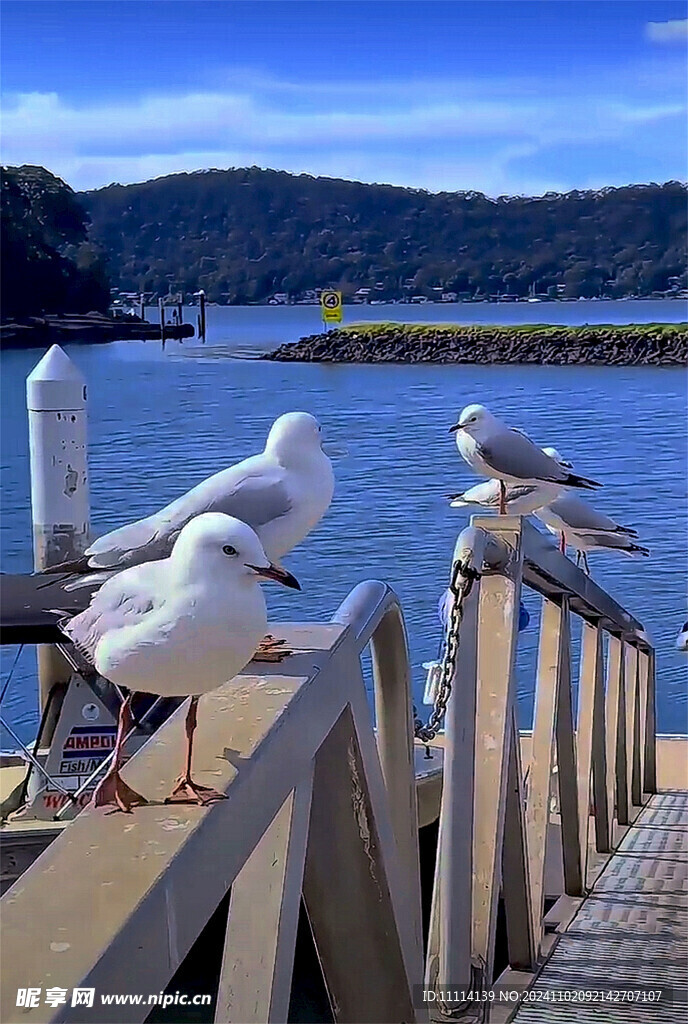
631,933
548,861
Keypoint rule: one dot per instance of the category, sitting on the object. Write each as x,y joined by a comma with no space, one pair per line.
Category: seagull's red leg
502,498
562,542
585,563
112,789
186,791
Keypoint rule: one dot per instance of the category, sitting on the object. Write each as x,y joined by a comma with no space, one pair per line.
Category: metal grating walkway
632,931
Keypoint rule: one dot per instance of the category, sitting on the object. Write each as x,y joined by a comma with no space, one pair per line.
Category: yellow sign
331,307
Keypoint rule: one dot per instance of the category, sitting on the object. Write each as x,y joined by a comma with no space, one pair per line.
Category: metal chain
462,579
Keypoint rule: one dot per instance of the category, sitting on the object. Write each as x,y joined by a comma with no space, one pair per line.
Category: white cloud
439,134
667,31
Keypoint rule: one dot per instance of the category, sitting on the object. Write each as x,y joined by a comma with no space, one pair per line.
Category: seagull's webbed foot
271,650
114,791
502,498
186,791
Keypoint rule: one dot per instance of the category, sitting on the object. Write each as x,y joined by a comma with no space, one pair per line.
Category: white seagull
507,455
183,625
682,638
282,493
521,499
586,529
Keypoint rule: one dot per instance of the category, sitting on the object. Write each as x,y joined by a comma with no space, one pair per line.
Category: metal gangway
342,846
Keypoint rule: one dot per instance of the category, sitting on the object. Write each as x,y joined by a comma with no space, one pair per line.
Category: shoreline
85,329
526,344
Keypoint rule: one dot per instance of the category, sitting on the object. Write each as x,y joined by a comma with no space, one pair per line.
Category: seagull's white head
475,420
220,546
294,438
554,454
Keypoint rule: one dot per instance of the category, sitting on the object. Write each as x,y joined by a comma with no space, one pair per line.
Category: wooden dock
630,934
548,862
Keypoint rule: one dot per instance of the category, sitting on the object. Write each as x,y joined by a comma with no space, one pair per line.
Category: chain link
462,580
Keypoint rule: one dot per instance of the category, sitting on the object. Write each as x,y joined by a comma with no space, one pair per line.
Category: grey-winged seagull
507,455
586,529
520,499
183,625
282,493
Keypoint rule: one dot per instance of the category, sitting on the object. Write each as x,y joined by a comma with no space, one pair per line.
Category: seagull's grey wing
256,499
580,516
123,601
513,454
146,540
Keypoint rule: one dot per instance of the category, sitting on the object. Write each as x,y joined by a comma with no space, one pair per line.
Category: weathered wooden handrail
307,813
493,838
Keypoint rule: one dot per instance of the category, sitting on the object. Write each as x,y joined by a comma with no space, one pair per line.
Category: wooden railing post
498,614
617,779
590,744
567,773
552,662
449,946
649,737
632,747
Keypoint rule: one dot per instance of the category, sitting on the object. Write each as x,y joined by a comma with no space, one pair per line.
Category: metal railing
312,812
492,838
321,808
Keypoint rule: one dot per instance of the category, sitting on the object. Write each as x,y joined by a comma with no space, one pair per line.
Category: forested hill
245,235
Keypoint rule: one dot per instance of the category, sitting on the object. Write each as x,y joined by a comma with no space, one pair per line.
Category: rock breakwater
605,345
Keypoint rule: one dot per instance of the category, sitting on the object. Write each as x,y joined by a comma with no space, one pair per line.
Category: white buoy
56,402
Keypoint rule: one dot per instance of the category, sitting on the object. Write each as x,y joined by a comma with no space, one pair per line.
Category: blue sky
503,96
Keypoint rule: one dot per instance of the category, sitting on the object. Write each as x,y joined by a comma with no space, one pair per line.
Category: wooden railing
321,812
495,825
313,812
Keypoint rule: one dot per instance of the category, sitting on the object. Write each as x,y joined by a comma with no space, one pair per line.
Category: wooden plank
449,949
498,612
617,783
603,805
515,877
632,770
346,891
643,668
650,780
540,776
567,773
588,711
258,961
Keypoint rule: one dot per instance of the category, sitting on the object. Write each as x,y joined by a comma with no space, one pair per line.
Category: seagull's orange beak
272,572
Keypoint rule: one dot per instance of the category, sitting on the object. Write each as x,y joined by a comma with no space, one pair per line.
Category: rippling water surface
160,422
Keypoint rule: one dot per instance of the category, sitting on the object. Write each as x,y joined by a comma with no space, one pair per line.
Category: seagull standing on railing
507,455
521,499
283,493
586,529
183,625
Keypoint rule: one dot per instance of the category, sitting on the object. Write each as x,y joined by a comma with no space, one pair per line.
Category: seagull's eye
229,550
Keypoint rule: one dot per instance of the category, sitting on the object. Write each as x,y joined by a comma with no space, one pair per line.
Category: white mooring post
56,402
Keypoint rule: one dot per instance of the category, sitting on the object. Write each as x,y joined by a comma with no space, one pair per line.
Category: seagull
282,493
521,499
493,449
682,638
586,529
179,626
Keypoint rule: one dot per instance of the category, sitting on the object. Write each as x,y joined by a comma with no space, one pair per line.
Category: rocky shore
85,328
606,345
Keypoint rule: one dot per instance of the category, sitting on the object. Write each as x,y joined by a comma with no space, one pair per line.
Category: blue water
160,422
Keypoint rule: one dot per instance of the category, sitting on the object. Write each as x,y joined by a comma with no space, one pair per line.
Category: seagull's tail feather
74,565
637,549
573,480
627,531
457,501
